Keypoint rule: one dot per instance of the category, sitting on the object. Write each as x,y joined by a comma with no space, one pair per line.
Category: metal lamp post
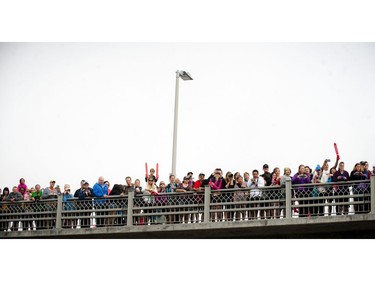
184,76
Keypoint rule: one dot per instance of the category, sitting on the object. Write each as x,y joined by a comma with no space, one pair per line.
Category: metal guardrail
274,202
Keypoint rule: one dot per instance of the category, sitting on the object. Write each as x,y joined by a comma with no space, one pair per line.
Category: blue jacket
100,191
68,205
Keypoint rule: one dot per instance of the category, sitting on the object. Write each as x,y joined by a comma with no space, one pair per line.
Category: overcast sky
73,111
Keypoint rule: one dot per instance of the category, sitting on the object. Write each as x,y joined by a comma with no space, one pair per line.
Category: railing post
288,199
372,194
129,219
59,211
207,200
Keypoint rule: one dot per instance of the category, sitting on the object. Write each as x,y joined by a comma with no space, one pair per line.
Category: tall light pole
184,76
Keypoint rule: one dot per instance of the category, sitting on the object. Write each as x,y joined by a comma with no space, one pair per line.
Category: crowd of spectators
255,184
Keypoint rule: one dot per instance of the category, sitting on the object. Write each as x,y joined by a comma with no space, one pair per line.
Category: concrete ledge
349,226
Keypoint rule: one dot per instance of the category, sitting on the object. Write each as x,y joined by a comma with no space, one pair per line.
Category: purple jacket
340,176
301,180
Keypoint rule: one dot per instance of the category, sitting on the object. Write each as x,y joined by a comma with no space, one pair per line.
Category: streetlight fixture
184,76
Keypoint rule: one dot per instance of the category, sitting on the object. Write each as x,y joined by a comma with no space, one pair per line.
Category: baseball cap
265,166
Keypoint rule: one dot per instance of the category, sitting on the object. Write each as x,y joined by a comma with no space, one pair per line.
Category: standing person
184,187
267,193
365,170
171,188
27,217
38,207
201,181
246,177
100,190
228,196
4,209
117,190
342,176
150,190
266,175
359,189
216,183
191,178
128,187
21,207
331,191
255,184
327,177
283,179
152,175
318,192
50,193
22,186
137,192
161,200
68,206
276,193
22,190
76,193
239,196
85,196
300,191
199,197
14,197
108,185
137,187
308,172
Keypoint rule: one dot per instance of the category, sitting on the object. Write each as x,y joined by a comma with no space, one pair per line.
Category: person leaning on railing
4,210
199,186
37,207
161,200
216,183
27,218
14,197
360,189
68,206
50,193
327,174
184,187
150,190
85,196
171,188
128,187
342,175
301,191
286,176
275,193
137,193
228,196
318,192
117,190
100,190
255,184
266,194
239,196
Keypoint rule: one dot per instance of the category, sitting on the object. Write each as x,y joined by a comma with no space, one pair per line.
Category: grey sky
72,111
